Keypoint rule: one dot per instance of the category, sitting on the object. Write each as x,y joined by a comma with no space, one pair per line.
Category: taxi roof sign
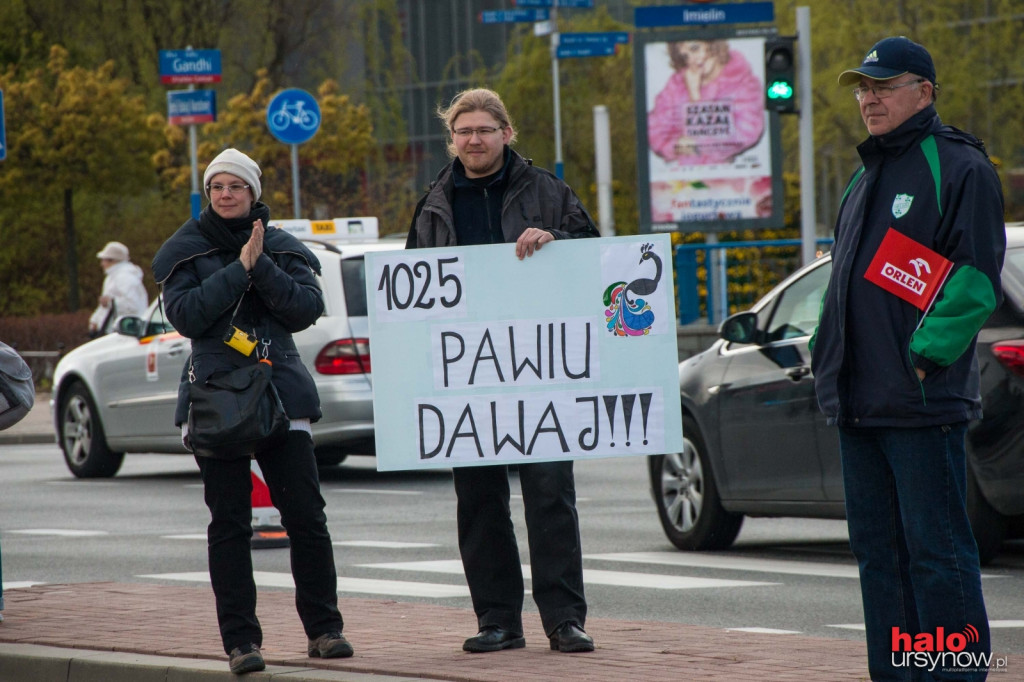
363,228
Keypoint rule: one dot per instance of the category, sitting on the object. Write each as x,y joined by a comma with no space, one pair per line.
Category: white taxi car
117,394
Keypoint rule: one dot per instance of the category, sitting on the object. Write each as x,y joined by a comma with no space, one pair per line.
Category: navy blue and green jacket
936,185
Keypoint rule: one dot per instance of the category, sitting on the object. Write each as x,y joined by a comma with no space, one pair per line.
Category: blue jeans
906,510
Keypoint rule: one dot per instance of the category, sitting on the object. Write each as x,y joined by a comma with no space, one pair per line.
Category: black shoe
569,637
329,645
246,659
493,639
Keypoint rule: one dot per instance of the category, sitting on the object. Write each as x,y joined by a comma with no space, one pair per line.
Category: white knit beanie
238,164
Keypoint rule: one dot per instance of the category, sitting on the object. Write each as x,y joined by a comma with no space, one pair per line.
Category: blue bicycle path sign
293,116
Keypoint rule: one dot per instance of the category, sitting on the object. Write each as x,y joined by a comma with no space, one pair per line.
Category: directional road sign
683,15
293,116
514,15
552,3
570,51
190,66
606,38
3,131
189,107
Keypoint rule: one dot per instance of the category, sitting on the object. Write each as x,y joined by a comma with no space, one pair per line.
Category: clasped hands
253,248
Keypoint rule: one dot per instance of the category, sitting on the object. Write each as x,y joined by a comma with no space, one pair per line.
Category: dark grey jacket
533,197
202,285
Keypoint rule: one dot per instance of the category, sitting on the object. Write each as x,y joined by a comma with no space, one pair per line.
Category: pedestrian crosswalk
590,576
398,588
765,572
738,563
732,563
650,573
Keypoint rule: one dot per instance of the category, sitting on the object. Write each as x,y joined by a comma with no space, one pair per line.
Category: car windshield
353,280
796,311
158,324
1014,264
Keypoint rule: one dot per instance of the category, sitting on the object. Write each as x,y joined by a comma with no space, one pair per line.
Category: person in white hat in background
123,291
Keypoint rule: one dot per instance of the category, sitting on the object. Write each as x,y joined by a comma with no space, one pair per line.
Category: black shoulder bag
234,414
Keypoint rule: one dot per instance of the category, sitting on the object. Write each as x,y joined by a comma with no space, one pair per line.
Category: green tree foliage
81,135
295,41
979,64
525,85
69,130
389,181
332,164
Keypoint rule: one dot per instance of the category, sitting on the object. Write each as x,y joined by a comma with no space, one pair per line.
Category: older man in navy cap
897,372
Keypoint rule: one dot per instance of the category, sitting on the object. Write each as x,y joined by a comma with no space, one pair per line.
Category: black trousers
490,555
290,474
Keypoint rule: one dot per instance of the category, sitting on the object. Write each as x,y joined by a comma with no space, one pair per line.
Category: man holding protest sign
489,194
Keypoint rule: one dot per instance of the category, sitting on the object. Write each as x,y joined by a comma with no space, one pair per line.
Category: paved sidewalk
135,632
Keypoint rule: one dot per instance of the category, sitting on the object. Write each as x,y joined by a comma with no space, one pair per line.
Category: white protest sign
480,358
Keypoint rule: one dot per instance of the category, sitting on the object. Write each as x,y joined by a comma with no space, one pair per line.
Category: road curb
27,438
40,663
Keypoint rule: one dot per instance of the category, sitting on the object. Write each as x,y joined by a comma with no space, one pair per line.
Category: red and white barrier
267,531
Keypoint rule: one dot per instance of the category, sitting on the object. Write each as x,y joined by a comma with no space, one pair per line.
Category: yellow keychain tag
242,342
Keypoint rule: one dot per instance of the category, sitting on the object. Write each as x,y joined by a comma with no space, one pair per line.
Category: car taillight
1011,354
344,356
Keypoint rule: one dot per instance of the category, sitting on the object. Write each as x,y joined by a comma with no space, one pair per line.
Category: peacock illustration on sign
626,313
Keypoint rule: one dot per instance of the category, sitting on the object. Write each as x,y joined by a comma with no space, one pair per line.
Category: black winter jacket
201,287
934,184
533,197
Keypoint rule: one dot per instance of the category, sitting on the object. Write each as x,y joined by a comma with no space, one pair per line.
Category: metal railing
716,280
42,364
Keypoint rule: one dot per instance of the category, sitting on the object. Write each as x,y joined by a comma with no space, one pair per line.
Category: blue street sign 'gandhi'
293,116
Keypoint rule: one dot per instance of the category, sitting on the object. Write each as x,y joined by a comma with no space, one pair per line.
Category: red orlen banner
908,269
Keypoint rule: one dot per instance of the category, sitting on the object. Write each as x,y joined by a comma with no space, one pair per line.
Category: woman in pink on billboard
712,107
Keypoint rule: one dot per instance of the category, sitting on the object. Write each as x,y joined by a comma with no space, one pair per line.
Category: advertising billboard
709,151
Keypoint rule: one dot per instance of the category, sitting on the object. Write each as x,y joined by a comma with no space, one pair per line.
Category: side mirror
739,328
130,326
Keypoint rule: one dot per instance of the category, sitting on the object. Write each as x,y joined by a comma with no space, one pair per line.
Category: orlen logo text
904,278
939,650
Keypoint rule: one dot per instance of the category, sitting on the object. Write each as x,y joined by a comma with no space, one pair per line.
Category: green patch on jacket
947,331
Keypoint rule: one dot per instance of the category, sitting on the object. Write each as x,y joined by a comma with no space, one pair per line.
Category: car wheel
988,525
82,438
689,508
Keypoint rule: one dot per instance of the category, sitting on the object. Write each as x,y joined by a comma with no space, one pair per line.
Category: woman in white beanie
123,292
209,265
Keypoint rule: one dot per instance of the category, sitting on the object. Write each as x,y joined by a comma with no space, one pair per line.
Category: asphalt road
395,537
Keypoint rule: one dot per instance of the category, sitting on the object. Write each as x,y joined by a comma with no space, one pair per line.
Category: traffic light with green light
780,74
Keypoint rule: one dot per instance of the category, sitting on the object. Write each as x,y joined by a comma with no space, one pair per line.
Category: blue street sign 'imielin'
514,15
683,15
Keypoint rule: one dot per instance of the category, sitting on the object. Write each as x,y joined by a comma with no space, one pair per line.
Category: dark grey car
755,443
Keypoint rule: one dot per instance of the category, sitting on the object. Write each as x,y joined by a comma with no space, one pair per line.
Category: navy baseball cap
891,58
